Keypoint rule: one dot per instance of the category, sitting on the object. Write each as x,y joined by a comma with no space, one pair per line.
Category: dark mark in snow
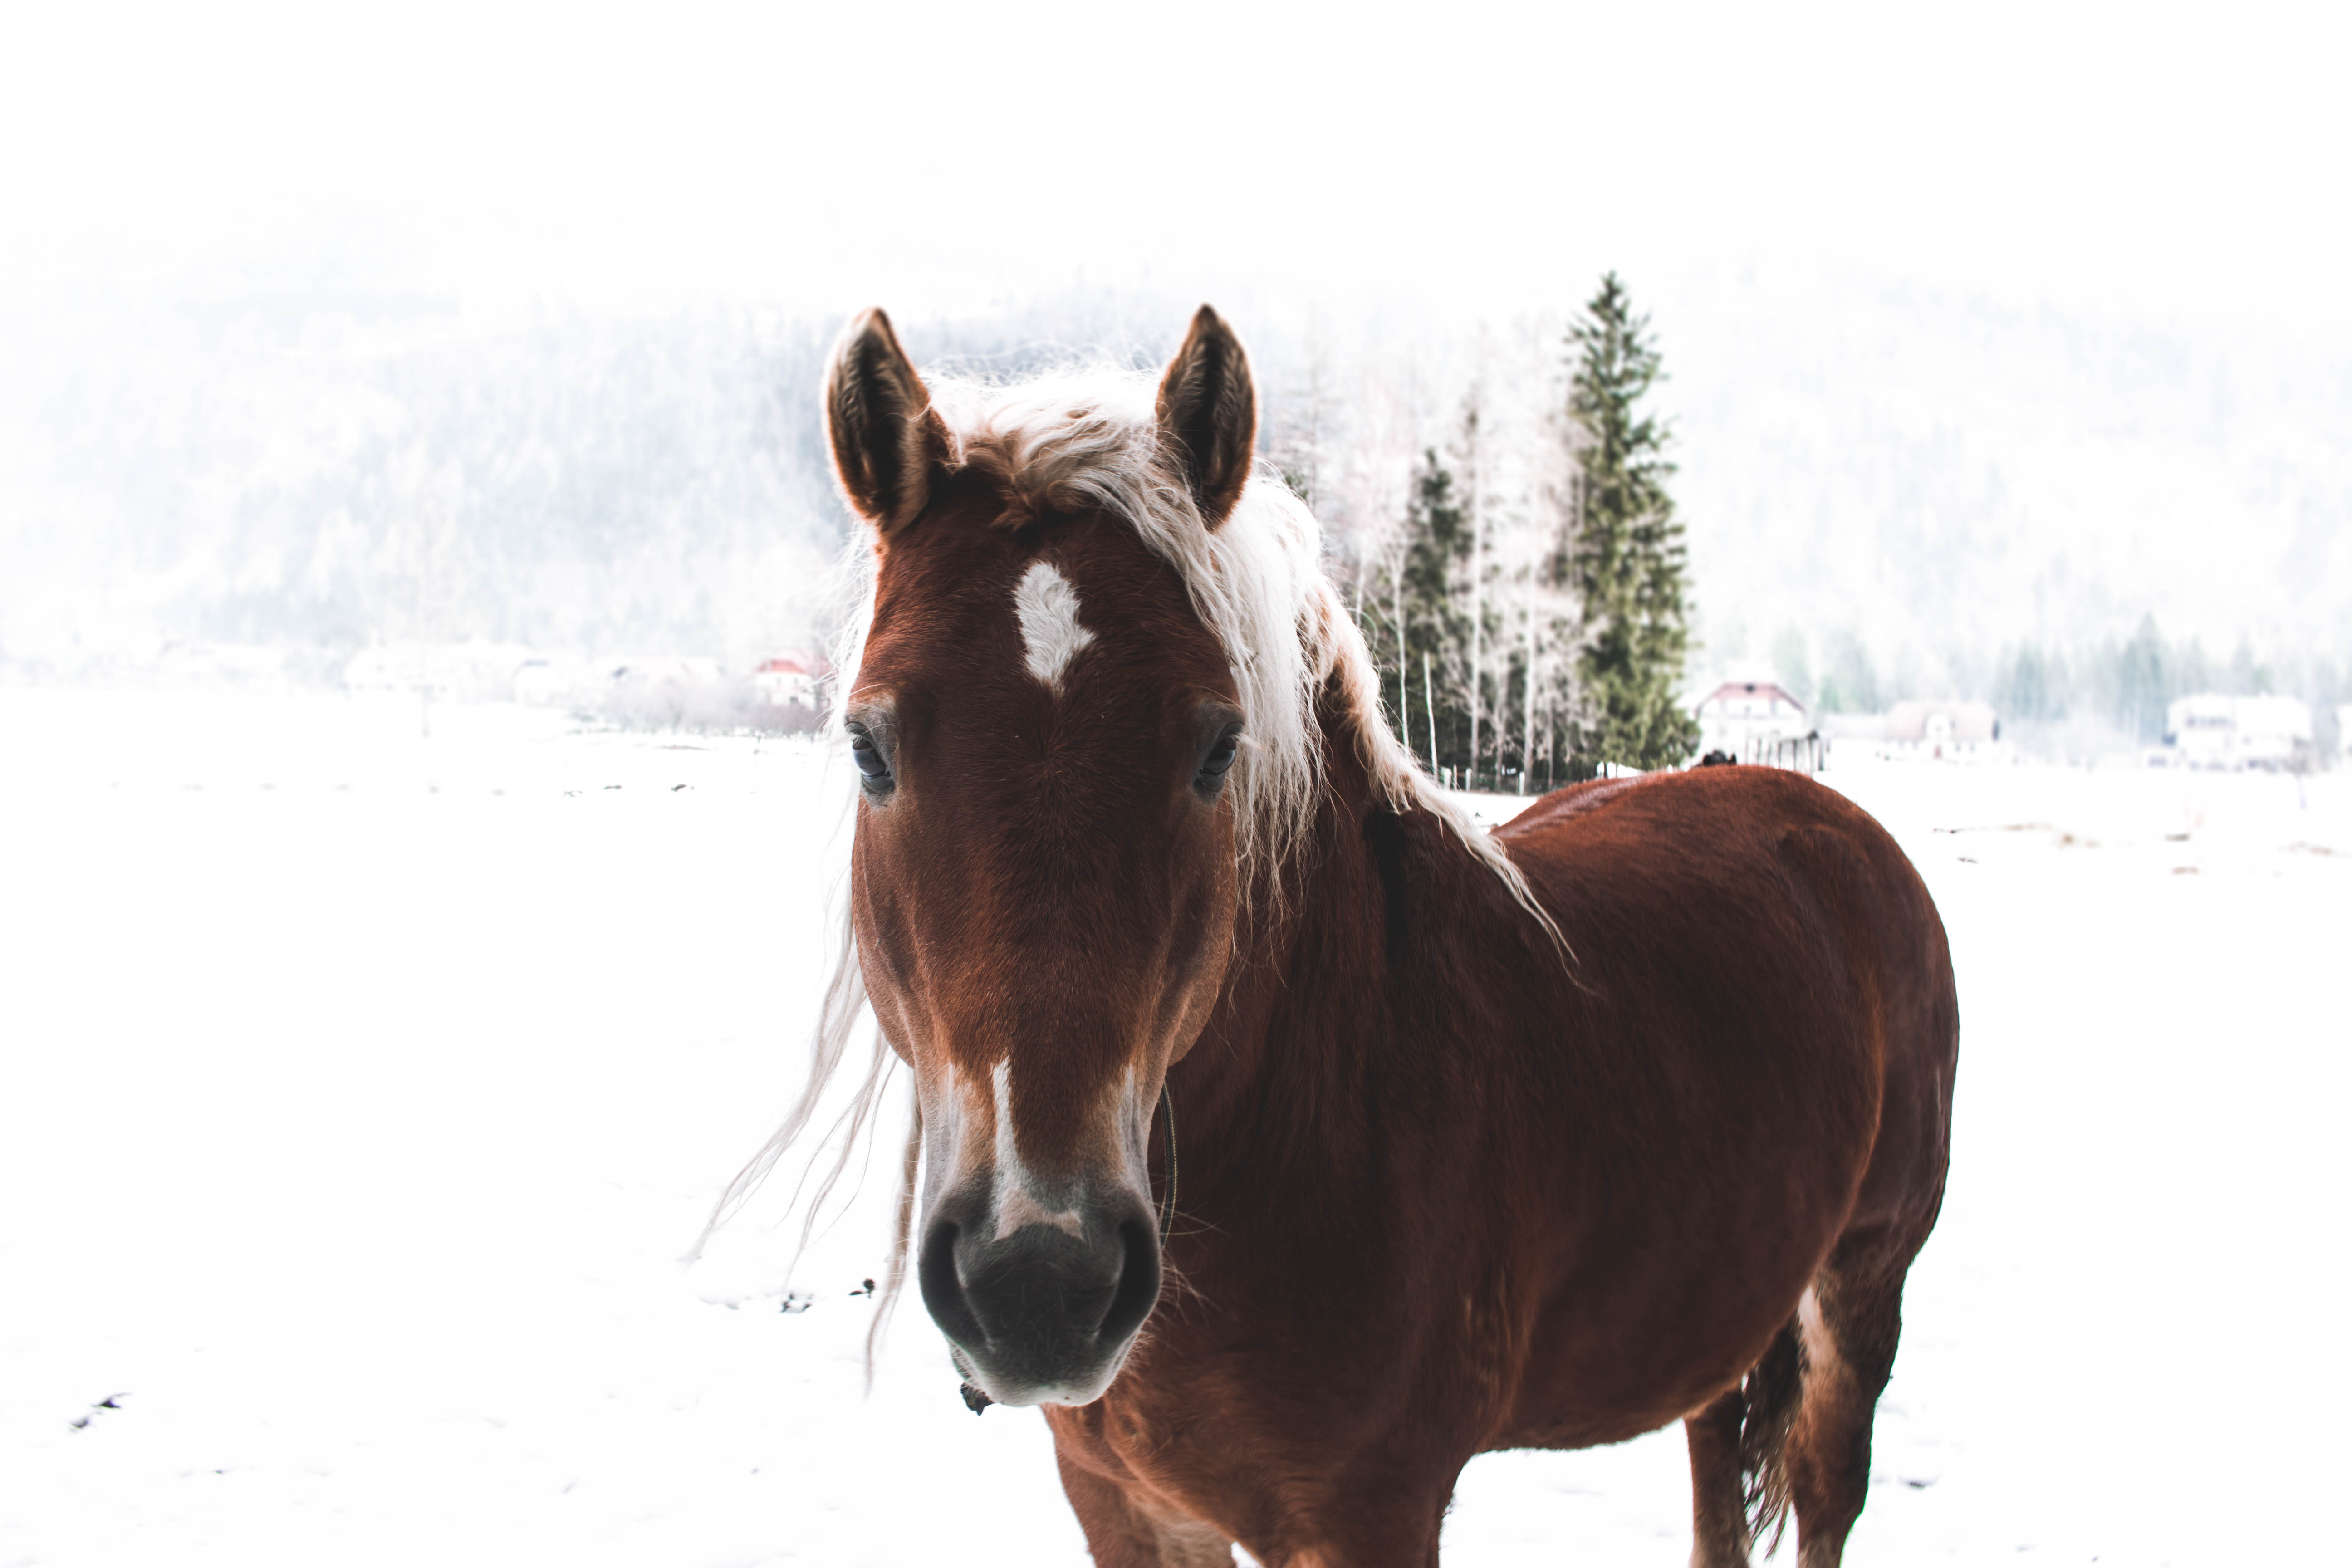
1968,859
796,1302
111,1402
865,1289
2176,838
2001,827
612,786
674,788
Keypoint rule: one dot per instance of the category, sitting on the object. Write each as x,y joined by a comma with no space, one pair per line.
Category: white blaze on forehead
1048,608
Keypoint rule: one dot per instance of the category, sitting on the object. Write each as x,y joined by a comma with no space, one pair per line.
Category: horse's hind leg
1718,1513
1847,1325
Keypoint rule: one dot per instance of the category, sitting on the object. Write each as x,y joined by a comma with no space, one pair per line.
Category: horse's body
1521,1207
1445,1187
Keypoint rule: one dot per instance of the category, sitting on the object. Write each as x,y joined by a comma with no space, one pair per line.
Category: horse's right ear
887,438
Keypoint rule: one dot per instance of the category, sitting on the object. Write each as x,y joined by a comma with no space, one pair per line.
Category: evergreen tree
1433,624
1850,684
1792,664
2031,687
1626,554
2143,684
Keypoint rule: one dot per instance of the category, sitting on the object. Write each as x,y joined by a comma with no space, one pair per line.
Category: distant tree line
2129,682
2122,684
363,470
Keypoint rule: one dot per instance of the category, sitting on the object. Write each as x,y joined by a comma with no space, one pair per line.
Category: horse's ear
887,438
1208,413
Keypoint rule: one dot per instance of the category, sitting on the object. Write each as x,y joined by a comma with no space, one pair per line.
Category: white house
1942,731
2210,730
790,679
1930,729
1747,718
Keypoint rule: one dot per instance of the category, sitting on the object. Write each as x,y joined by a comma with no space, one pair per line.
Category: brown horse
1634,1110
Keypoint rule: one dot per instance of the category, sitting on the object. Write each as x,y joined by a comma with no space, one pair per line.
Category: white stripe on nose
1016,1202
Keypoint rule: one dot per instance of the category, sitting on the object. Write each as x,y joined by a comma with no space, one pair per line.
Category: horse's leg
1848,1324
1122,1534
1718,1514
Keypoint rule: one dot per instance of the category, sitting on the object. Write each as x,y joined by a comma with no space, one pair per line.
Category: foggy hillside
1934,475
1943,475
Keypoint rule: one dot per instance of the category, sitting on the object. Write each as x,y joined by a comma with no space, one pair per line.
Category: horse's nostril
1139,1282
942,1287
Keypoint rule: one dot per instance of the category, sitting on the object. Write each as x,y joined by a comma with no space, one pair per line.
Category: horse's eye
1220,758
871,764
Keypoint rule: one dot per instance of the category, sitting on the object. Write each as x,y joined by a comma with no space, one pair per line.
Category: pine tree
2031,687
2143,684
1433,626
1626,556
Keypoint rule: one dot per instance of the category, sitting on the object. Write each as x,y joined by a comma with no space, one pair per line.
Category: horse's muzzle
1043,1316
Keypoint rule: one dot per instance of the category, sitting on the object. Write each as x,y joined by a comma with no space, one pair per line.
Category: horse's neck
1309,1024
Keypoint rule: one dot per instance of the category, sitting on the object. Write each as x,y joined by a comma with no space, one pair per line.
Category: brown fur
1441,1196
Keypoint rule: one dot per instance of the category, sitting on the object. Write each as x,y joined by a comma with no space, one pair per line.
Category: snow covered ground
363,1087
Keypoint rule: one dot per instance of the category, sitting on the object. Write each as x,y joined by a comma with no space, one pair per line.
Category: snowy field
363,1089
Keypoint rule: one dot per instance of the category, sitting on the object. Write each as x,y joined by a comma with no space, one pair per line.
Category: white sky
2170,167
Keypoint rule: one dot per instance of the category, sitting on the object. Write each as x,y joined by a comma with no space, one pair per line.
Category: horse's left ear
1208,413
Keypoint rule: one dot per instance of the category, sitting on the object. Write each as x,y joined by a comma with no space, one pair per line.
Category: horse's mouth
978,1397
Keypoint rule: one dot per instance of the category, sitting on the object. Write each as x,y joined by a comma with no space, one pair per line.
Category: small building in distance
1929,729
1757,720
791,680
1942,731
2210,730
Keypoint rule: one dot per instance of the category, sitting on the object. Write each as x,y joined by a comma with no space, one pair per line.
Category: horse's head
1045,881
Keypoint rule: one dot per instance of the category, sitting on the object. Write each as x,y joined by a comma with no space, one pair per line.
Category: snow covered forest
1916,494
